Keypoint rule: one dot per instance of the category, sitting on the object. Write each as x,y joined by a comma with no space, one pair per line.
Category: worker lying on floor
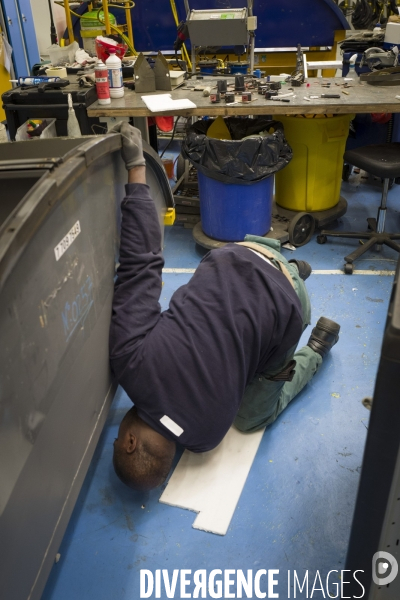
224,351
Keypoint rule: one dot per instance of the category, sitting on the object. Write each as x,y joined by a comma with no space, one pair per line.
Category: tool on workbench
390,76
278,99
229,97
222,86
34,80
44,85
214,98
239,83
270,94
246,97
161,73
145,80
313,97
300,74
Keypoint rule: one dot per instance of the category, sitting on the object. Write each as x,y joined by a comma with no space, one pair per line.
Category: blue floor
296,508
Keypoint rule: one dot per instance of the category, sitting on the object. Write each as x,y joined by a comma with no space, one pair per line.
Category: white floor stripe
355,272
315,272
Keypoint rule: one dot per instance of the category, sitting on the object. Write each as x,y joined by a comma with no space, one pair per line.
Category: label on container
115,78
67,240
102,85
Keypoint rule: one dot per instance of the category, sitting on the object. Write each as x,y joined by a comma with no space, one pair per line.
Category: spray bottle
352,67
102,85
72,123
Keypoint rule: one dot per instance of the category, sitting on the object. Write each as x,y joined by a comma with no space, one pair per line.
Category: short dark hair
142,469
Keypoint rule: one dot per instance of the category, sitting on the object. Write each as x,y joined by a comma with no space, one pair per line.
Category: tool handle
330,96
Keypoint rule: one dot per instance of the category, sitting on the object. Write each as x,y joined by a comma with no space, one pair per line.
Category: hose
124,37
114,27
176,19
363,15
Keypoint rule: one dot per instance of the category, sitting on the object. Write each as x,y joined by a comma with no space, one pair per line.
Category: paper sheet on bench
210,483
164,103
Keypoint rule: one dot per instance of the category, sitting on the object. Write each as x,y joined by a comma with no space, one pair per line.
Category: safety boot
324,335
303,267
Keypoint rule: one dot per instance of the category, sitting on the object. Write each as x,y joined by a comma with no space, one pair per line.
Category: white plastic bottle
72,122
102,85
352,67
113,64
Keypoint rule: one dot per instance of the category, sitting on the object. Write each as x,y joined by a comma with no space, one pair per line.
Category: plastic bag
238,161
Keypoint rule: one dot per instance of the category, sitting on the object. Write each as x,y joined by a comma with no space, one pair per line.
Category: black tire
301,229
349,268
321,239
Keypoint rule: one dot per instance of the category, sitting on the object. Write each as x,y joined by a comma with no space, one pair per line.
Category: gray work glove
132,150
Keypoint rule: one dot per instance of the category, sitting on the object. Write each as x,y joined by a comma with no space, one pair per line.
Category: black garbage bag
238,161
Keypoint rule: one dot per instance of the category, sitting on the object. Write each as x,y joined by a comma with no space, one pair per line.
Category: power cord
172,138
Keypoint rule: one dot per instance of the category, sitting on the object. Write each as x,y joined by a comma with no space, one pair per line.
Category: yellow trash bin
312,180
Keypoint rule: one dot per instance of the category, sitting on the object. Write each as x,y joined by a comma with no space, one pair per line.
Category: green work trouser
264,399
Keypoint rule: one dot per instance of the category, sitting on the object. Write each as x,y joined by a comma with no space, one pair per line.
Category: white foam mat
210,483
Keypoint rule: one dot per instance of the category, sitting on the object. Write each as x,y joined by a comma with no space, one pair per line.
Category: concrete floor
296,508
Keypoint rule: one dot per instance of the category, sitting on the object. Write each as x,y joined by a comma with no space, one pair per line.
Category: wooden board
361,98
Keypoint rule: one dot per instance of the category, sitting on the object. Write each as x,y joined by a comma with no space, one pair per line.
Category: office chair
381,160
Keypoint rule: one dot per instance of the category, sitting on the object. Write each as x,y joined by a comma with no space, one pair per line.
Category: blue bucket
230,211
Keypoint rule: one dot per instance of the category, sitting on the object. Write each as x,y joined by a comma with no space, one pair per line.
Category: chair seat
381,160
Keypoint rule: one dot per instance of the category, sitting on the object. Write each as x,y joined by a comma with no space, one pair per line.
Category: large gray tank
59,213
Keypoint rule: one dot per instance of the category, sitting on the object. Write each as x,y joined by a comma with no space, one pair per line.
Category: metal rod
106,17
252,44
53,32
186,3
129,23
193,58
382,209
69,22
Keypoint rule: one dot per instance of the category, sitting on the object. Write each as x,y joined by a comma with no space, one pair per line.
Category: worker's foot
303,268
324,335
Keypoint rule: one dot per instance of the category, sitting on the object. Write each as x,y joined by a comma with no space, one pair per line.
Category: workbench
361,98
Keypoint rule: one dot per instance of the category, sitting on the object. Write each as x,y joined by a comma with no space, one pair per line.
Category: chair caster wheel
349,268
321,239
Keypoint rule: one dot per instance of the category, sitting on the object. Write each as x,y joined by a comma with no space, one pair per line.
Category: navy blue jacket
186,368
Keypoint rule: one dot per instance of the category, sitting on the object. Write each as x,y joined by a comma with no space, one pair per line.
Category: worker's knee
246,426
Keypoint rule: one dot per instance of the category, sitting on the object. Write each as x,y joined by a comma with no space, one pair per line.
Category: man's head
142,457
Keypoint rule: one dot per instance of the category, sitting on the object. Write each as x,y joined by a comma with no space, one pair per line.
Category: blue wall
282,23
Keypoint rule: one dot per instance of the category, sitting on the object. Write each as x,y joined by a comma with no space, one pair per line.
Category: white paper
164,103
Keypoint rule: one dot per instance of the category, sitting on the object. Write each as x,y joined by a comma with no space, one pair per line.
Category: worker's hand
132,150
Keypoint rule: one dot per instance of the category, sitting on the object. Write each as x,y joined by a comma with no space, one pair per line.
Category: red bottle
102,84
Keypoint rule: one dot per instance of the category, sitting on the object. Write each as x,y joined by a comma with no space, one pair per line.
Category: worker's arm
136,308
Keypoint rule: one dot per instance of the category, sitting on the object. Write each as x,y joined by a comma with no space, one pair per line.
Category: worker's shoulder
229,250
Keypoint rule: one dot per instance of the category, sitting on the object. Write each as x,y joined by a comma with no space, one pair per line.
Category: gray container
225,27
59,214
